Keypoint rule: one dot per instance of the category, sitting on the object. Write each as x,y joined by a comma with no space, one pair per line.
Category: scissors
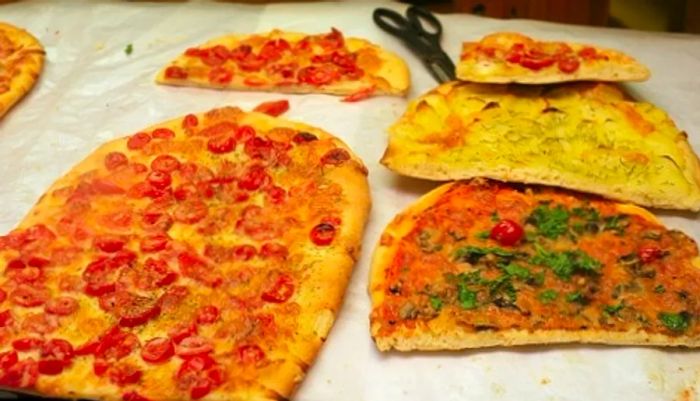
423,42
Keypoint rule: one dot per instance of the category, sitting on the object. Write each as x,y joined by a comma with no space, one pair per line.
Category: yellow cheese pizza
21,61
183,262
291,62
478,264
505,57
588,137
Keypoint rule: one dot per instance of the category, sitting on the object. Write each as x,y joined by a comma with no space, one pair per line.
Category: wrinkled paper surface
91,91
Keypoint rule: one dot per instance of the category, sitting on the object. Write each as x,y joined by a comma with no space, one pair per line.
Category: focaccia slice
588,137
478,264
21,61
291,62
505,57
183,262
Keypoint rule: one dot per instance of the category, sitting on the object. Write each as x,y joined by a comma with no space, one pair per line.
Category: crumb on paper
545,381
129,49
497,389
99,46
687,394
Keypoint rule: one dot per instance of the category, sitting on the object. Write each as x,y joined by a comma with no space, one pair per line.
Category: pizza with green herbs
483,263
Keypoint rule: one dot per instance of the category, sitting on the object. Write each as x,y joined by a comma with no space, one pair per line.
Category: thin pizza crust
392,75
620,67
320,298
24,65
442,132
443,334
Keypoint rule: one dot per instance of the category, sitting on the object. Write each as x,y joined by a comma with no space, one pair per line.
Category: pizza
184,261
481,263
512,57
583,136
21,61
291,62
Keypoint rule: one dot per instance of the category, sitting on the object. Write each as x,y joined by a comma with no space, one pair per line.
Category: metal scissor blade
441,69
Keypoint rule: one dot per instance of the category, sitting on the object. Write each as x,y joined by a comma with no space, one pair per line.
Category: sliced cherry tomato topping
250,354
258,148
335,157
28,296
207,314
154,242
568,65
62,306
22,374
190,121
38,261
15,264
116,344
124,374
27,275
318,75
138,141
139,168
254,178
192,266
109,243
276,194
536,63
193,345
244,133
186,191
507,232
172,298
39,323
240,52
135,310
272,250
134,396
158,274
50,366
163,133
7,359
180,333
3,295
165,164
516,53
175,72
27,344
244,252
159,179
114,160
190,212
220,75
323,234
86,349
273,108
221,144
588,53
272,49
6,318
332,40
648,254
155,219
57,349
251,62
212,58
303,137
157,350
361,94
100,367
280,291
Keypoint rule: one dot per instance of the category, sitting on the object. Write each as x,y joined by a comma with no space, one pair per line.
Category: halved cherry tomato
244,252
303,137
221,144
7,359
159,179
109,243
588,53
335,157
245,133
193,345
240,52
158,274
3,295
220,75
190,212
254,178
272,49
258,148
536,63
134,396
250,354
172,298
116,344
280,291
27,344
114,160
175,72
163,133
124,374
28,296
22,374
190,121
192,266
207,314
134,310
507,232
332,40
6,318
154,242
568,65
181,332
648,254
62,306
138,141
273,250
273,108
157,350
362,94
318,75
165,164
323,234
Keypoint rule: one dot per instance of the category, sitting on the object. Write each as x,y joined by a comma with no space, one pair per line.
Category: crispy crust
29,62
411,153
443,334
393,71
620,68
329,271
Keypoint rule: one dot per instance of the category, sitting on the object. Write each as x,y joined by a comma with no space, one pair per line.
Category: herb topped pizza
291,62
21,61
585,136
183,262
481,263
512,57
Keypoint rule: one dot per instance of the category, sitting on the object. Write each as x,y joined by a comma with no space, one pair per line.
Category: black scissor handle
419,18
391,21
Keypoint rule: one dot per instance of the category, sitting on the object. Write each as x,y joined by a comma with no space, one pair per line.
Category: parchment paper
92,91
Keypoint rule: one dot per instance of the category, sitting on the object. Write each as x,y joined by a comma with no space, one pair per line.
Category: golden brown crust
476,66
391,78
444,331
24,65
443,133
326,272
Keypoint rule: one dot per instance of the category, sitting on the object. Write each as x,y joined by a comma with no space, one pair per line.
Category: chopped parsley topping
495,217
466,297
129,49
436,302
565,264
547,296
612,310
677,322
472,254
551,222
426,245
514,270
659,289
617,223
576,297
483,234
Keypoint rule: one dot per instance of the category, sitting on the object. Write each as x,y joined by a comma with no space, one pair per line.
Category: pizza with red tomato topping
483,263
202,258
291,62
512,57
21,61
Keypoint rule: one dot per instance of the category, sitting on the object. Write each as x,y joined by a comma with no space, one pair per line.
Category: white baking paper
92,91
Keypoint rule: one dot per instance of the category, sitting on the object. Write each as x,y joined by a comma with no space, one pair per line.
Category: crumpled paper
92,91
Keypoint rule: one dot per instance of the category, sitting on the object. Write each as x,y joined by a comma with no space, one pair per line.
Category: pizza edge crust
622,68
394,70
29,68
338,262
452,338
